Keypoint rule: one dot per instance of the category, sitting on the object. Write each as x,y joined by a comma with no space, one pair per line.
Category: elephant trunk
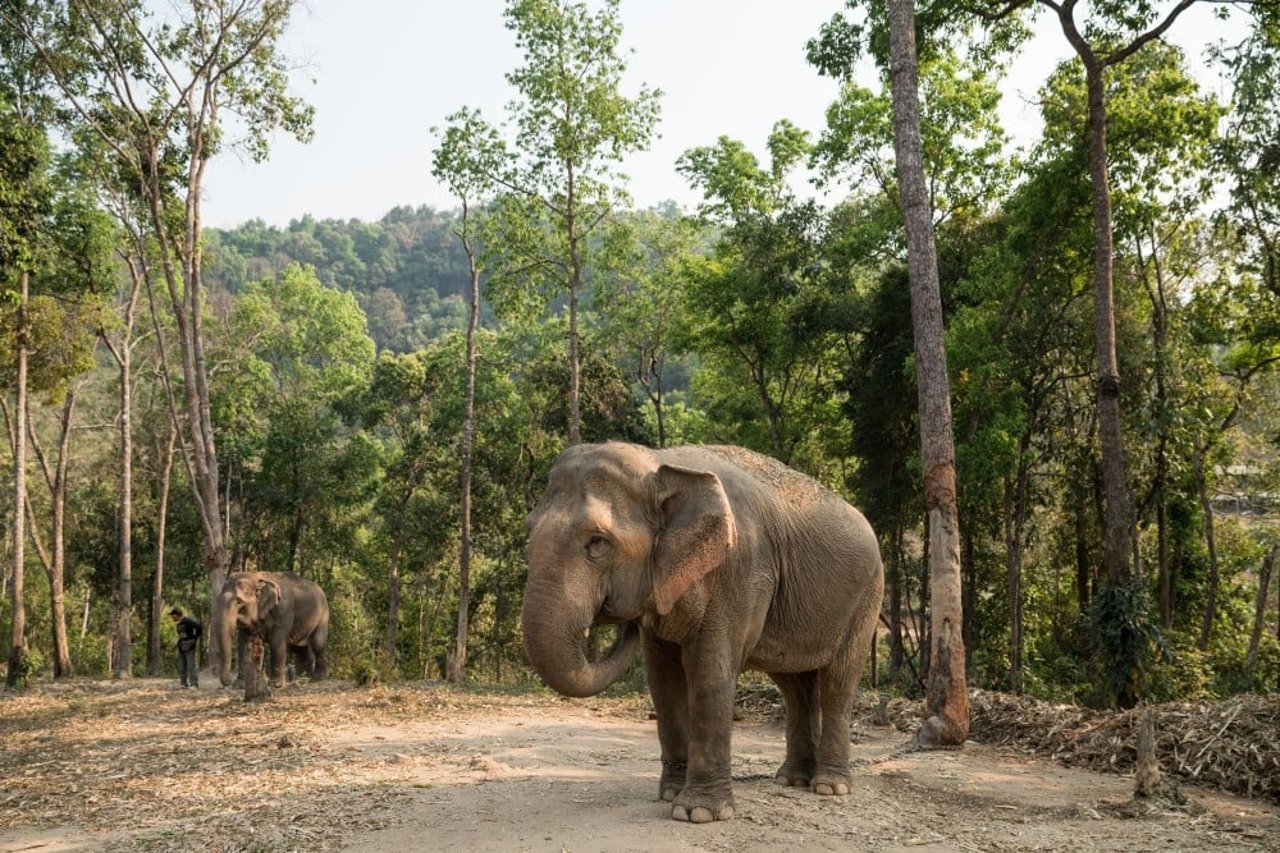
554,639
223,627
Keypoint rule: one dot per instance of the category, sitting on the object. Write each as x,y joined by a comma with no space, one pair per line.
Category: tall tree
24,203
1097,60
88,242
741,304
640,305
469,153
23,154
158,89
573,127
947,702
76,267
1103,37
302,348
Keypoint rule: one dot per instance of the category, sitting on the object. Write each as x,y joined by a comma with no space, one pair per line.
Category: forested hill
406,270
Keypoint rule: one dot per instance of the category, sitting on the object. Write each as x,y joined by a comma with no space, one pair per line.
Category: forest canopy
181,402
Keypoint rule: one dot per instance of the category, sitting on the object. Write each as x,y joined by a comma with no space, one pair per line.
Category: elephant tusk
586,632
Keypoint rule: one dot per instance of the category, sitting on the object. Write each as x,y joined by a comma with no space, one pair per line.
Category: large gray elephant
289,612
715,559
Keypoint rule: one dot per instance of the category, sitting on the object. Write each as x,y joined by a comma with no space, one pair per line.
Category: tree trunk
1159,345
1015,516
157,584
197,444
1147,778
1260,607
575,287
55,563
257,687
969,565
457,663
1164,576
1211,543
58,569
897,655
947,702
186,299
18,613
124,587
649,375
1110,436
393,599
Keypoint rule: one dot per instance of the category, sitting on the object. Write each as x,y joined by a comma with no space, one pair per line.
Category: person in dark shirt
189,632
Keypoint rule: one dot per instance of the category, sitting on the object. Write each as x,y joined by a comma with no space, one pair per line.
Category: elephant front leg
708,790
279,661
242,658
670,694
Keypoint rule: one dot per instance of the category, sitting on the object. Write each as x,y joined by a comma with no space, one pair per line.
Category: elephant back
308,604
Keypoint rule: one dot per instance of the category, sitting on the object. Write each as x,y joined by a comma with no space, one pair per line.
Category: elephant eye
598,547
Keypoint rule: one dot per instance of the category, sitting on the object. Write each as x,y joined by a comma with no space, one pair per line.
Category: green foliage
570,111
353,630
753,311
1119,623
1181,672
768,318
406,270
30,666
964,145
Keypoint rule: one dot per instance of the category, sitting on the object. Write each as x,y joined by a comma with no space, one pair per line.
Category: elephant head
618,536
246,603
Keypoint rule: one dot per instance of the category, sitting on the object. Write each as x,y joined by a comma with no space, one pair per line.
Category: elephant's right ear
698,529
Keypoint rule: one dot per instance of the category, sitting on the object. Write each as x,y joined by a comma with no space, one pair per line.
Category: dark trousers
188,668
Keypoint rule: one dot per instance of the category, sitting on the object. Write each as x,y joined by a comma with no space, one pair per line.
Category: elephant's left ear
268,594
698,529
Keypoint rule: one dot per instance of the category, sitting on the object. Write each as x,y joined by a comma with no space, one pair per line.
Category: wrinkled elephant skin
290,614
714,559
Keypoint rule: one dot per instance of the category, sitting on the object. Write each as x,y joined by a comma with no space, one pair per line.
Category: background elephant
714,559
290,613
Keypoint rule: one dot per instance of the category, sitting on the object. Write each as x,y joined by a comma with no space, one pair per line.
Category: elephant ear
268,596
698,529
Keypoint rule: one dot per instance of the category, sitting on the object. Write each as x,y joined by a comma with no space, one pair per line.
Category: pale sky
381,73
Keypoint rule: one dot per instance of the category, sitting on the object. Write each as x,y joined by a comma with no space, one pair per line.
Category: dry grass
186,769
145,766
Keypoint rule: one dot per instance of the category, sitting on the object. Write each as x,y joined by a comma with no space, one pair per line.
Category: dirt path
145,766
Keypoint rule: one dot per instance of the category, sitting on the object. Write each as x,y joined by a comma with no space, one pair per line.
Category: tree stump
257,688
1147,777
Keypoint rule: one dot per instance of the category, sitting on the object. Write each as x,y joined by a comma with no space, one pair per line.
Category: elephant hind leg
837,686
804,722
318,643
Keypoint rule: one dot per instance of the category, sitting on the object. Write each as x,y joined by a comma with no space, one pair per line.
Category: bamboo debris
1229,744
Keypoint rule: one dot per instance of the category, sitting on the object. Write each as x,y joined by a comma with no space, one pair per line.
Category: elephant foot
672,781
701,809
700,814
830,785
794,776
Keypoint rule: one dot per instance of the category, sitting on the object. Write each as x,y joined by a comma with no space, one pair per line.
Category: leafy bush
1119,622
1180,671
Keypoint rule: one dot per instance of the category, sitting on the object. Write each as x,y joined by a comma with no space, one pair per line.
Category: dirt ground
144,765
